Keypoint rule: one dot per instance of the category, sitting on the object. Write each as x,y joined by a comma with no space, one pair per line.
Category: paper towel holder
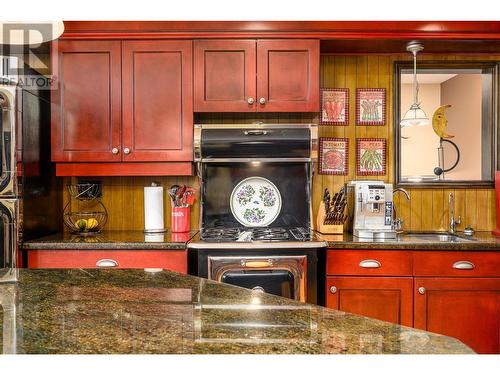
156,230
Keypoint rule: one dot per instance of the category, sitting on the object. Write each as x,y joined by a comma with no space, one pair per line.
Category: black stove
282,257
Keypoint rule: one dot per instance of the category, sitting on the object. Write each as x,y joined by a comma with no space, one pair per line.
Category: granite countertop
114,240
133,311
480,241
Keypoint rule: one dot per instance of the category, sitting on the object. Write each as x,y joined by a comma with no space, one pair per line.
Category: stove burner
220,234
269,234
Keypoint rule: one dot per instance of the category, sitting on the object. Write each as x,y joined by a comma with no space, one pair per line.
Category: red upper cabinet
288,75
86,106
157,101
256,75
125,102
224,72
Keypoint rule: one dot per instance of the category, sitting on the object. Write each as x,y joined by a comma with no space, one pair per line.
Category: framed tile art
370,156
334,107
370,106
333,156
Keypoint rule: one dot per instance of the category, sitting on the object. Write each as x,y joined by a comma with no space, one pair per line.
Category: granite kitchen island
154,311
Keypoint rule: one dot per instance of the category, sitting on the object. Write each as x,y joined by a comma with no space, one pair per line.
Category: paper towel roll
153,209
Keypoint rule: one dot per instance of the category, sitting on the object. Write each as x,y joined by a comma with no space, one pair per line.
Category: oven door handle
257,263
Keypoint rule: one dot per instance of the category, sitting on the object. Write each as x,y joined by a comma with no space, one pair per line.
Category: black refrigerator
30,193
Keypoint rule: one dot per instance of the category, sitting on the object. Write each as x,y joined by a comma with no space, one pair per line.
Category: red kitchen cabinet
174,260
157,100
467,309
224,72
288,75
385,298
86,105
123,108
256,75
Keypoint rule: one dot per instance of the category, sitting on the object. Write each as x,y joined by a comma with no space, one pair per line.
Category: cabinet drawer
369,263
456,263
174,260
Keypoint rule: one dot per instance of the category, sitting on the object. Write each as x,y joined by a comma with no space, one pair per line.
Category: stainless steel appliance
278,253
372,207
29,191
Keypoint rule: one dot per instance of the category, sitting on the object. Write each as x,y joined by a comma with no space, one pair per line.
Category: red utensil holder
180,219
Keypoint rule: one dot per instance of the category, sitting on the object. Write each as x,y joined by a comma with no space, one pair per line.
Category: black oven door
277,282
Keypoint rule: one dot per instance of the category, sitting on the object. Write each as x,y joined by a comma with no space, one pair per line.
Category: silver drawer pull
463,265
106,263
370,263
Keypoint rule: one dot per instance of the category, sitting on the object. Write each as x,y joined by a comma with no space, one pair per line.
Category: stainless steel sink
435,237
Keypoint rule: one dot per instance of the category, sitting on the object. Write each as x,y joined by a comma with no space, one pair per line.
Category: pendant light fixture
415,116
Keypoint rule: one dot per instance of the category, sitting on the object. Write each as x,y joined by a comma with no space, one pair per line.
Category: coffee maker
371,208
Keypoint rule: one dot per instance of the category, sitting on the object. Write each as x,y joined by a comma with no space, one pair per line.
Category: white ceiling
427,78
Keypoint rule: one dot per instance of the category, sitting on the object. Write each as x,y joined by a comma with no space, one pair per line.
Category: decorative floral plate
255,202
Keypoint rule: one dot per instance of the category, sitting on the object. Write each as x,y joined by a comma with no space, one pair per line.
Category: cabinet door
86,105
384,298
288,75
157,101
468,309
224,76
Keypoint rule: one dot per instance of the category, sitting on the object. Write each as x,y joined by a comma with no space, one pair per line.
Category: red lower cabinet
465,308
384,298
173,260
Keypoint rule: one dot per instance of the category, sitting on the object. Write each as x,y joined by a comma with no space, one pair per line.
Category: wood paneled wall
427,209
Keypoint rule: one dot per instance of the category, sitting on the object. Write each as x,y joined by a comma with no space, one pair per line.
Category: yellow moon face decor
439,122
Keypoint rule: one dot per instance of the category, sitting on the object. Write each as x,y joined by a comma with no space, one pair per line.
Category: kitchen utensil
172,192
179,195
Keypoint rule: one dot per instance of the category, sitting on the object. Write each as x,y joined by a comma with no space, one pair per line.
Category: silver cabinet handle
421,290
262,101
106,263
126,151
251,101
370,263
333,289
463,265
115,150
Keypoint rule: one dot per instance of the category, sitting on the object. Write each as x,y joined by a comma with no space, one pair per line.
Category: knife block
326,228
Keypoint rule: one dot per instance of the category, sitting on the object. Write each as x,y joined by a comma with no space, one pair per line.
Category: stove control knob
377,197
251,101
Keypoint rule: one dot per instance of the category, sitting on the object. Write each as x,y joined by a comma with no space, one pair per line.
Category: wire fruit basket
91,215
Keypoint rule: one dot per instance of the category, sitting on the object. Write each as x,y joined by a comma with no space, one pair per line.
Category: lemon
92,223
81,224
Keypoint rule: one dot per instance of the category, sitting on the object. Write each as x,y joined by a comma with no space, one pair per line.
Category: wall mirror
459,144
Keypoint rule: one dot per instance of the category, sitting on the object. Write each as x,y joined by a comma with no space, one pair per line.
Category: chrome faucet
397,221
453,221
